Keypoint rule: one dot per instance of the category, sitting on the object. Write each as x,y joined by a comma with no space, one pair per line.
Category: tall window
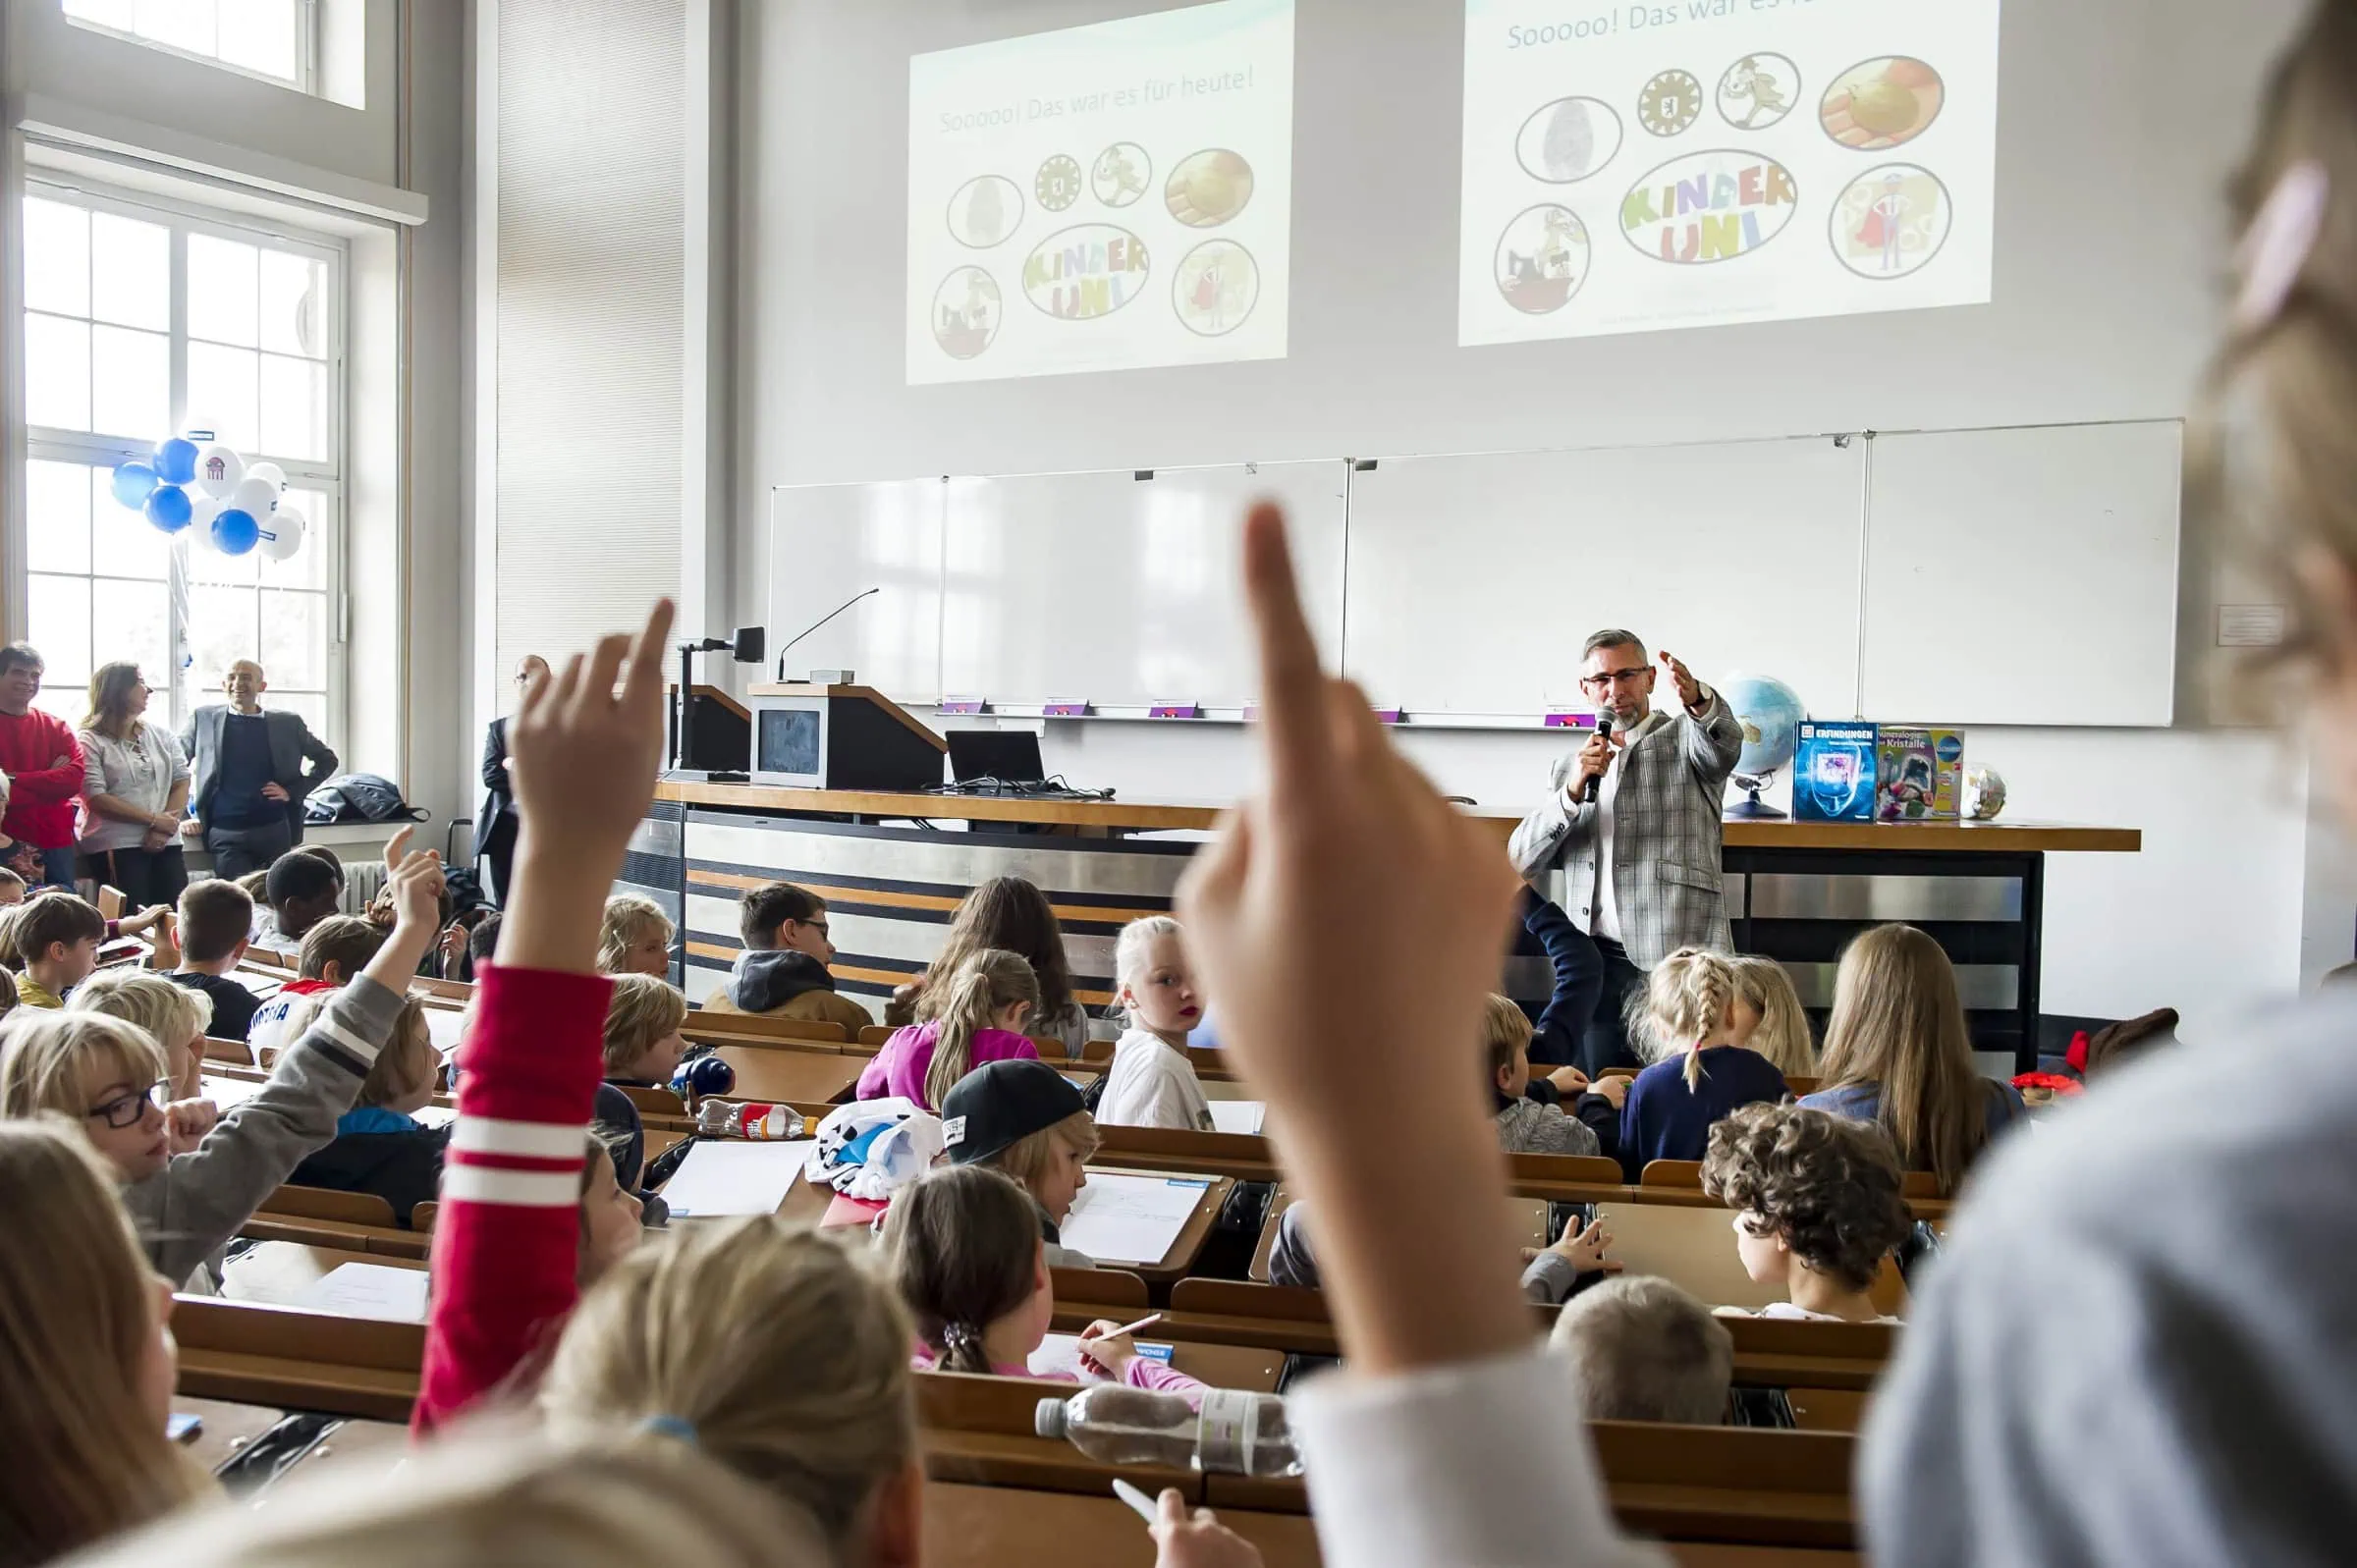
140,320
277,40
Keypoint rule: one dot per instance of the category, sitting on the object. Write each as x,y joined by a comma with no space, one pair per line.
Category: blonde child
1151,1082
1025,1118
176,1020
12,886
1769,1018
1011,914
1817,1203
109,1075
85,1354
965,1250
1700,1074
380,1145
1646,1350
56,939
1898,1054
981,1021
634,937
1531,1124
642,1040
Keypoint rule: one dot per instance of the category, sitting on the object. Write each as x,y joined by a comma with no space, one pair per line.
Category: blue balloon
234,531
168,507
176,460
134,482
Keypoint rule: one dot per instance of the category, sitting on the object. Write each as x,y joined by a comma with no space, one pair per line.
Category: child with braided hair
1699,1073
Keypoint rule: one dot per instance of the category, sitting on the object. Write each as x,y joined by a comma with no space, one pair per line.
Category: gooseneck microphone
1604,731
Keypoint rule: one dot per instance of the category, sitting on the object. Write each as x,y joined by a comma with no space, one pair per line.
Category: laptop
1010,756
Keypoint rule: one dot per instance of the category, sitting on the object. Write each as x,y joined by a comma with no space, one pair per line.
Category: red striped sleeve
509,1229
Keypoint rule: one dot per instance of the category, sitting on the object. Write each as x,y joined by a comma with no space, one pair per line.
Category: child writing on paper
1769,1018
963,1249
1151,1082
1700,1073
989,1001
1025,1118
381,1147
1818,1207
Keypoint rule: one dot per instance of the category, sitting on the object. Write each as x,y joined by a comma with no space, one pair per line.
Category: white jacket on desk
1152,1085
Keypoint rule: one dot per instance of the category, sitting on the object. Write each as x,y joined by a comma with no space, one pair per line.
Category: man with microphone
1634,819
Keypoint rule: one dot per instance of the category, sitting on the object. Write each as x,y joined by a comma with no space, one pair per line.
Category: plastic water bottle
1236,1433
722,1118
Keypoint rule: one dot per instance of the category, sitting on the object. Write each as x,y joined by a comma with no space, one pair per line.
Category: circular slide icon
1121,174
1882,103
1757,90
1216,287
1542,259
1057,184
1208,187
1564,142
967,312
985,210
1709,206
1670,102
1891,221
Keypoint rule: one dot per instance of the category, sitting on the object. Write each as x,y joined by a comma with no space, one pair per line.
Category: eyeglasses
1605,678
126,1108
819,925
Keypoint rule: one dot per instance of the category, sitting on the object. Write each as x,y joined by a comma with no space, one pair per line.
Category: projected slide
1104,197
1636,167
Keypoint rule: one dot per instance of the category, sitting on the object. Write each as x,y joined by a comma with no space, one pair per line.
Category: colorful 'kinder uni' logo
1709,206
1089,270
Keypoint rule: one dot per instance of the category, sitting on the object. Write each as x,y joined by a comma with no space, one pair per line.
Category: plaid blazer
1665,838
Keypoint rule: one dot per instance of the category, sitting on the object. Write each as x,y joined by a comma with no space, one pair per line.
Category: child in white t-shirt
1818,1207
1151,1082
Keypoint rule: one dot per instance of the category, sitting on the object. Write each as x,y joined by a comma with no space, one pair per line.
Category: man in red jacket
43,764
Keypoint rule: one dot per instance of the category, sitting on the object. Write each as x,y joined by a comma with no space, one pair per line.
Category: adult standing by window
134,788
42,762
495,825
1642,851
253,771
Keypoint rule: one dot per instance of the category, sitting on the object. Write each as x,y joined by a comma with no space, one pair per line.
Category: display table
893,867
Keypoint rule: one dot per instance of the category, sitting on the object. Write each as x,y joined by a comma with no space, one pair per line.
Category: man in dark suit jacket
495,823
252,771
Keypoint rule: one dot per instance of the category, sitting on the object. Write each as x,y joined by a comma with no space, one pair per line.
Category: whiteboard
828,542
2024,576
1124,589
1475,578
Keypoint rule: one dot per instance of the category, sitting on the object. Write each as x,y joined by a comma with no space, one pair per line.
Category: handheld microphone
1604,730
820,621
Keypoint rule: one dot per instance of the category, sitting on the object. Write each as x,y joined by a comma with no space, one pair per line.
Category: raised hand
1689,690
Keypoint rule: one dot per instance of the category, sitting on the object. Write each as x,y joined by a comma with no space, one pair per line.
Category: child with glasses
112,1077
782,970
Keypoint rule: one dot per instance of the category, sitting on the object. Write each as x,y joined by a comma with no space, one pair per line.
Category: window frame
327,477
308,37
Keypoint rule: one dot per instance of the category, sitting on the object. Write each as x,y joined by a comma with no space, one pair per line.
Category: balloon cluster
195,481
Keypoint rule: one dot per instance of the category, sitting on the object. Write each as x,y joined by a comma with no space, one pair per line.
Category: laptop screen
1008,755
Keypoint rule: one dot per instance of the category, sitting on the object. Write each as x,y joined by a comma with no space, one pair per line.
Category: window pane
220,632
58,617
294,638
131,383
293,400
122,542
57,372
307,567
222,394
222,289
66,704
57,257
313,705
182,24
294,302
132,620
259,34
57,510
131,272
106,13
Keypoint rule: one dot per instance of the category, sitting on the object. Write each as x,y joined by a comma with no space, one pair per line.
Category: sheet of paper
727,1176
1059,1355
263,986
445,1026
370,1290
227,1092
1120,1217
435,1116
1237,1115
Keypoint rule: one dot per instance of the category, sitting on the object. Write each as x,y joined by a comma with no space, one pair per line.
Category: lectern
838,737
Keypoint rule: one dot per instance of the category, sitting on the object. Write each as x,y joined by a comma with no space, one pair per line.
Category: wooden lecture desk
893,865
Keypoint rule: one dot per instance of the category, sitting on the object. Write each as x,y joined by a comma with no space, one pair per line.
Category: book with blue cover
1833,772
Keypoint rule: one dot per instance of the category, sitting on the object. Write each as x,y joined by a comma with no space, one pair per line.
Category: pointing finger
1293,692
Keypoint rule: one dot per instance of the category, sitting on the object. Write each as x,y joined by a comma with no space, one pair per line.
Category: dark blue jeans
1606,1043
1556,1038
57,866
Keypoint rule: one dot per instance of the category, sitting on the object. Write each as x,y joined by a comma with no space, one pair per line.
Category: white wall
2119,122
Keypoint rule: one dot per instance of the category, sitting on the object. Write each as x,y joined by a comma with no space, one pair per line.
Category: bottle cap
1049,1418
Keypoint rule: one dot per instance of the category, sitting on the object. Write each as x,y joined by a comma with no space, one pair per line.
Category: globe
1770,712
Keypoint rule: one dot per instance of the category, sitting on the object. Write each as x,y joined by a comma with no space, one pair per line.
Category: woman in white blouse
135,791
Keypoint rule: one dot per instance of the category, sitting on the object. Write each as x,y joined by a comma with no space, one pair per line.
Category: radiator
363,880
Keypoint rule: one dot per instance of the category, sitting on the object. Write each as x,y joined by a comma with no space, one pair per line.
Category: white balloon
255,494
203,509
270,474
219,471
282,534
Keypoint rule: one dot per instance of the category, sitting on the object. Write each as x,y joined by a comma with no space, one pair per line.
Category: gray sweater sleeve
186,1211
1547,1279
